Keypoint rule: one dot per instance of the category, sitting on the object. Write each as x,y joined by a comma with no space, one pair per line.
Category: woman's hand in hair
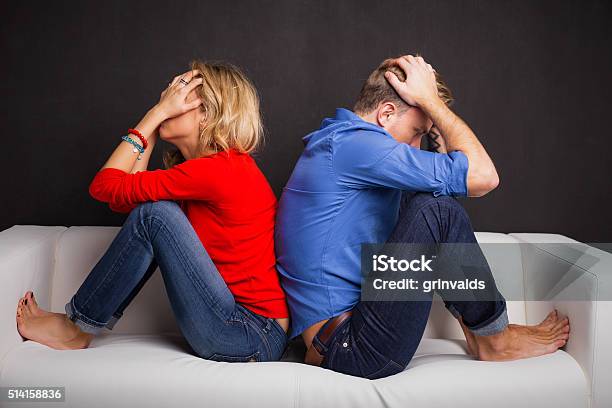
172,101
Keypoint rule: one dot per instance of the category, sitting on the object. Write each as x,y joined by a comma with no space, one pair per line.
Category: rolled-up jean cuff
85,324
453,311
495,326
112,321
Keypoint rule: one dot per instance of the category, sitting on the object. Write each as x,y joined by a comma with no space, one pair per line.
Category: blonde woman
207,221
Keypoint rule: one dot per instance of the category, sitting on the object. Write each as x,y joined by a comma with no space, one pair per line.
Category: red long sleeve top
232,208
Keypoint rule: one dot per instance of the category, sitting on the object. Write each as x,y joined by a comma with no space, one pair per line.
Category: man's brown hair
377,90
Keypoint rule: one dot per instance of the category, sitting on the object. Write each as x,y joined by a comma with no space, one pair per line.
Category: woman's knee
165,212
161,208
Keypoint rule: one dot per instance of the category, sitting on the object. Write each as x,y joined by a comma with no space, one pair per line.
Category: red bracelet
140,136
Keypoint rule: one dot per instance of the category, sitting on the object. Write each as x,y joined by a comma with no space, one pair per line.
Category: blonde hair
230,105
376,89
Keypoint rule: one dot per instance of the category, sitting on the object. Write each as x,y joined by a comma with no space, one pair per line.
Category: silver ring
184,82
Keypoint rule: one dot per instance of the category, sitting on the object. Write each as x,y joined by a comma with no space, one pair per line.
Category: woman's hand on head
172,101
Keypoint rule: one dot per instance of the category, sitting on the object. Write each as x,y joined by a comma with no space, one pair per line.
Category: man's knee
424,217
416,202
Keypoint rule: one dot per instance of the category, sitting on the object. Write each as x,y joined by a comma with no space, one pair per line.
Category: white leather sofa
144,361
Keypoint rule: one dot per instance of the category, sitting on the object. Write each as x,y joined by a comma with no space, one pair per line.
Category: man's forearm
482,176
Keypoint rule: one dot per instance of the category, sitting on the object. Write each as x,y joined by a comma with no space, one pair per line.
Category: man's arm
482,176
436,140
420,90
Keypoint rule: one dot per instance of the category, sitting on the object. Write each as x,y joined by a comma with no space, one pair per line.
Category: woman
207,220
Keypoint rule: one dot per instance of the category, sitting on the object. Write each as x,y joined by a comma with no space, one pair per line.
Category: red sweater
231,206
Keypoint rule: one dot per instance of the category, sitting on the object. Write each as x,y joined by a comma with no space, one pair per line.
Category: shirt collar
346,115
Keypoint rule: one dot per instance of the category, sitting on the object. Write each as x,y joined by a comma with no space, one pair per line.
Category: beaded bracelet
137,147
140,136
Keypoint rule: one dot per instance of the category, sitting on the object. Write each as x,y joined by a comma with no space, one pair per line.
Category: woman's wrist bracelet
137,148
140,136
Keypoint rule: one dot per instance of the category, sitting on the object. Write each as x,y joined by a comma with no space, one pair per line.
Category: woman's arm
117,182
143,163
171,103
124,158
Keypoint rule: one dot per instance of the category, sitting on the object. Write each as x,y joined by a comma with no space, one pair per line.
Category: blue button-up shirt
345,190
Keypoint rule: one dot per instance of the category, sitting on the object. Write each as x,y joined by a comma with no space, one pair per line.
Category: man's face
408,126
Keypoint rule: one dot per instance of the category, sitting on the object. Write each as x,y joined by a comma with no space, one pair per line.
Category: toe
33,300
560,343
561,323
25,310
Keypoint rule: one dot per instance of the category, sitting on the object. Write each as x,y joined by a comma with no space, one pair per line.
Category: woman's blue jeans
380,337
158,233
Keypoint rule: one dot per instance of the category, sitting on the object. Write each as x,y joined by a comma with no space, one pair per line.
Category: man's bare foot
29,301
517,341
51,329
469,336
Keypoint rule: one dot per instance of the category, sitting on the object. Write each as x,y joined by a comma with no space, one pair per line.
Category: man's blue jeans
380,337
214,325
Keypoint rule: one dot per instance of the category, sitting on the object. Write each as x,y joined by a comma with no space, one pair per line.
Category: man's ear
385,113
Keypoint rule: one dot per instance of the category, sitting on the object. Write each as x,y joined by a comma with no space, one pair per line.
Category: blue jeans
214,325
380,337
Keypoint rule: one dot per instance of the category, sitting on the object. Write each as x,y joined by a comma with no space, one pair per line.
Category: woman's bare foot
51,329
29,301
517,341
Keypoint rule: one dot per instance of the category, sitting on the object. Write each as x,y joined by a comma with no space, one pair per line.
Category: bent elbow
492,181
94,191
483,184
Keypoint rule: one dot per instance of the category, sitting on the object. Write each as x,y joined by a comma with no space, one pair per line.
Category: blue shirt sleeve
366,159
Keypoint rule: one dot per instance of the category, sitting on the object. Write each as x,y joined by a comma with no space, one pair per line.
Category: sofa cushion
123,370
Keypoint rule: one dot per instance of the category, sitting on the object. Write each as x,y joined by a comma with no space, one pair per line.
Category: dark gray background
531,78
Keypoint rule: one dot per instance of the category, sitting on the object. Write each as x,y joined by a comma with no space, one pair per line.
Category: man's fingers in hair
410,58
404,64
393,79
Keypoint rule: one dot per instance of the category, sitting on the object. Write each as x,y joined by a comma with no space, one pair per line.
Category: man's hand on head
420,84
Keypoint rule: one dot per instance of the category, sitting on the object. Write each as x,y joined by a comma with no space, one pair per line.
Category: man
363,179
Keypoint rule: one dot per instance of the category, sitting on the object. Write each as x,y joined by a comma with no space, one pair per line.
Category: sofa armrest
27,258
576,279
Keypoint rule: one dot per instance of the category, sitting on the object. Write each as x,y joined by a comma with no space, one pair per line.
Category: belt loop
319,345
